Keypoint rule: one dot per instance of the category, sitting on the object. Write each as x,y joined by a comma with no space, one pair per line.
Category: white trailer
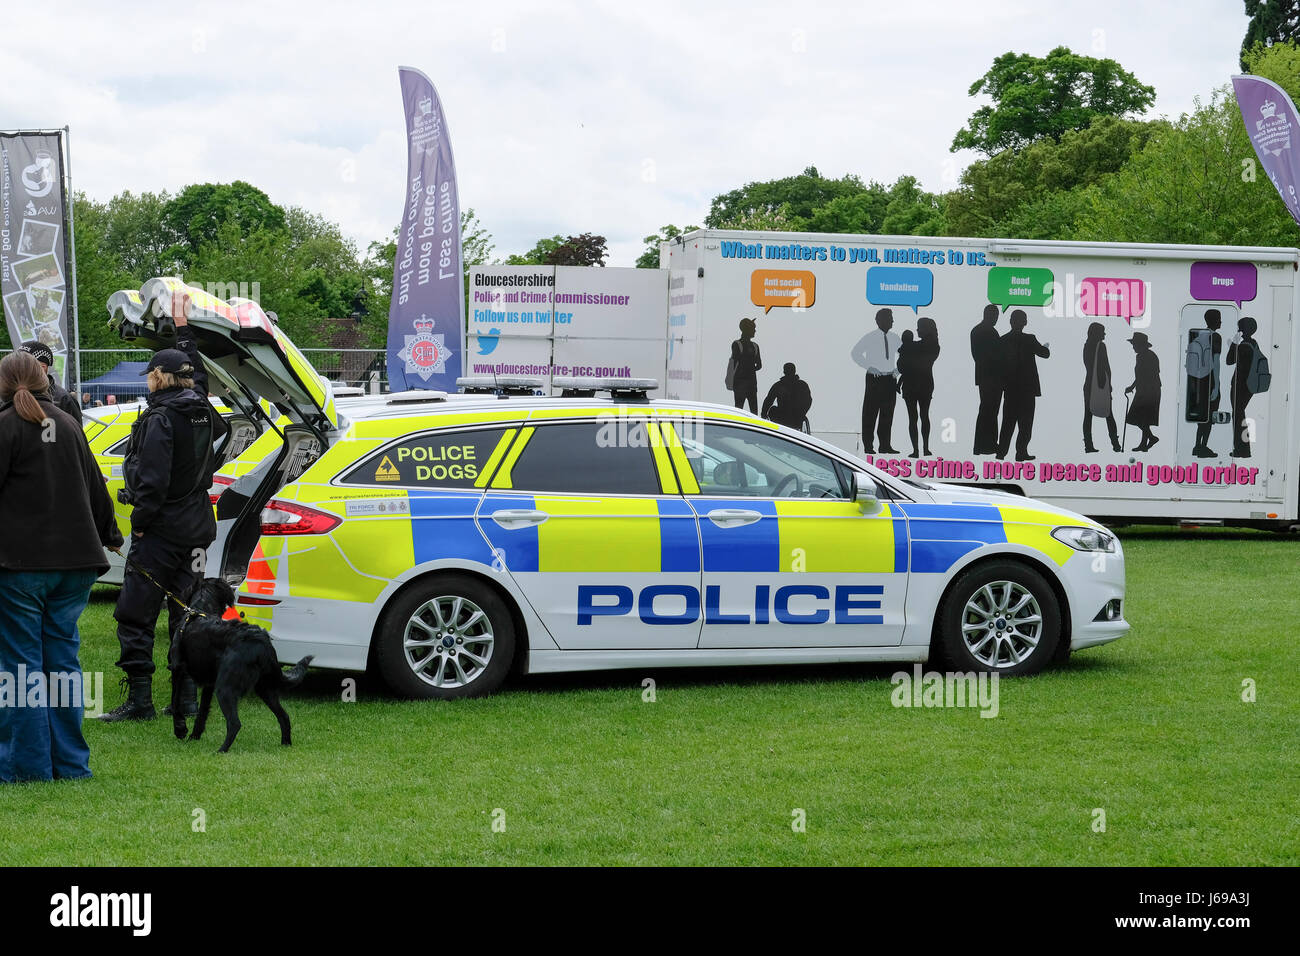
1188,350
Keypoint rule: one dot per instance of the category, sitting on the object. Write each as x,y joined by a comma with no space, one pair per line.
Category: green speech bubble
1010,286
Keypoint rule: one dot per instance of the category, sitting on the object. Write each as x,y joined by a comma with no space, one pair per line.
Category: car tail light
223,482
285,517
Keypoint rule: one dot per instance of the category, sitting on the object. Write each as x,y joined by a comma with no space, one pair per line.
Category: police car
445,540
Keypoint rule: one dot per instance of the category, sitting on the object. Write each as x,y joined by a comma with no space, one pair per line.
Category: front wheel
1001,617
448,637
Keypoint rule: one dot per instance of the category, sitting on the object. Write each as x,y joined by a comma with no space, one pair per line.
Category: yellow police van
445,540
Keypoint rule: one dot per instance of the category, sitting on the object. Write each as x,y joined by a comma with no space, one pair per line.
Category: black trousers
878,400
1240,443
986,422
178,568
1018,417
746,390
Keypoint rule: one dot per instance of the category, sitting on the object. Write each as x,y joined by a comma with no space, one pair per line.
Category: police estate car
447,539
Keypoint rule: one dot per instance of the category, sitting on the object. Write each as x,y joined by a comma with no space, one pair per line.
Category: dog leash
190,612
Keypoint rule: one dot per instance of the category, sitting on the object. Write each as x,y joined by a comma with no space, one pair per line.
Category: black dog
230,658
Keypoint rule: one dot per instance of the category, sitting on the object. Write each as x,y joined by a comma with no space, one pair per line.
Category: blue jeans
38,635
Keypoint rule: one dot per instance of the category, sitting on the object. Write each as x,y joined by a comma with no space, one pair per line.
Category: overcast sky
608,117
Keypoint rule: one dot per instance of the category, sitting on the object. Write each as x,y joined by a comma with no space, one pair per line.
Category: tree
584,250
792,199
537,255
1271,21
1016,193
197,213
1189,185
650,258
1036,98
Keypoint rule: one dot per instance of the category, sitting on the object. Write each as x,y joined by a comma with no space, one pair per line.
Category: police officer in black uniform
59,395
168,470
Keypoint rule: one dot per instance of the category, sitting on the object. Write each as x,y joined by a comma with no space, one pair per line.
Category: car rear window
581,458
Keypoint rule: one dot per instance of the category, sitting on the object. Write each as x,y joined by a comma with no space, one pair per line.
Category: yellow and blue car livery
696,535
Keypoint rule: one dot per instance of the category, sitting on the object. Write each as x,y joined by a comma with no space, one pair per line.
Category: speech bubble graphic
1009,285
782,288
1224,282
1113,298
896,285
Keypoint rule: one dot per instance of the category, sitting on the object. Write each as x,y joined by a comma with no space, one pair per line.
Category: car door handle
512,519
733,517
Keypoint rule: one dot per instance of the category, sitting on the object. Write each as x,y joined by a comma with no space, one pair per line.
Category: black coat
1144,410
55,512
168,469
984,350
1020,352
64,399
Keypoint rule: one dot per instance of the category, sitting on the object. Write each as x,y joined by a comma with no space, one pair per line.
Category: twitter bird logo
488,341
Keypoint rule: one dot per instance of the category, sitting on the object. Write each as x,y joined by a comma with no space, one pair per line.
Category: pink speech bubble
1118,298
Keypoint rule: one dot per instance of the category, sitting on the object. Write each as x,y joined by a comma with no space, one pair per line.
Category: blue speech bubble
896,285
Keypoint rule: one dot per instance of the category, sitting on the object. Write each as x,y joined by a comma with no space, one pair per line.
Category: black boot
139,705
189,700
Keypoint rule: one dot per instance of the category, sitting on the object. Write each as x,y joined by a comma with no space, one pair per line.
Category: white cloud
556,110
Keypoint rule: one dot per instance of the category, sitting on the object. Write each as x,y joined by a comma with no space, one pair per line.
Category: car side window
429,460
728,460
580,458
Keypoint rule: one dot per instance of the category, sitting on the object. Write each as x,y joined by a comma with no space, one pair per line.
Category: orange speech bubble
788,288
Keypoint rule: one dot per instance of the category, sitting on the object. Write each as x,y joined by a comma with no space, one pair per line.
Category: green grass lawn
1151,729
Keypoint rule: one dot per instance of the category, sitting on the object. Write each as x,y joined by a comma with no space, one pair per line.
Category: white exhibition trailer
1017,354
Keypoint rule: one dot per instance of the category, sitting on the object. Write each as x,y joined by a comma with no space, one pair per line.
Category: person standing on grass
167,472
49,483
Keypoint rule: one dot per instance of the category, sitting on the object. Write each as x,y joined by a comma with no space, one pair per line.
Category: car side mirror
864,493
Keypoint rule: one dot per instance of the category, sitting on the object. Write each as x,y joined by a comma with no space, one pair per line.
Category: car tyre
1000,617
449,636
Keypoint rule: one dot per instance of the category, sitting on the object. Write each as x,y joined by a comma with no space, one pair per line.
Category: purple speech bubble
1224,281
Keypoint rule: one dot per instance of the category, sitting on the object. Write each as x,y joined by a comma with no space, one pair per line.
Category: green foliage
537,255
1036,192
1045,97
581,250
1195,181
196,215
650,258
1271,21
809,203
1279,63
791,199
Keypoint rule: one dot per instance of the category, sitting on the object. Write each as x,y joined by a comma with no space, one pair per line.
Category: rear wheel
1001,617
447,637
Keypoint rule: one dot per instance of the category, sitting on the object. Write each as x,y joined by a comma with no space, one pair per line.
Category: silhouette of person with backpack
1250,377
742,369
1097,388
788,400
1203,391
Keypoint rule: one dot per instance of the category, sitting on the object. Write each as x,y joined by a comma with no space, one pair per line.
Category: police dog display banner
427,316
1270,119
33,243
